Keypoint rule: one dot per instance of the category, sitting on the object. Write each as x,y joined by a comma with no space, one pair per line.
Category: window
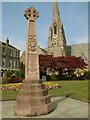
11,52
16,54
34,11
11,64
29,10
34,15
3,51
29,15
16,63
3,62
55,29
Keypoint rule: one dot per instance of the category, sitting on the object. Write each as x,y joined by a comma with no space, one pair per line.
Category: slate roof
9,45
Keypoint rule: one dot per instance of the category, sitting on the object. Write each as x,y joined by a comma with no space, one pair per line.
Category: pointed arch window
55,29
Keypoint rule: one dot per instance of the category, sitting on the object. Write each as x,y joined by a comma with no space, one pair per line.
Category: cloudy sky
74,17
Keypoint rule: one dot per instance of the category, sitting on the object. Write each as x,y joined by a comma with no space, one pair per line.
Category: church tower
56,40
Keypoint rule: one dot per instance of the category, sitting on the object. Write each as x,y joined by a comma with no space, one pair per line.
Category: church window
34,11
34,15
29,10
55,29
29,15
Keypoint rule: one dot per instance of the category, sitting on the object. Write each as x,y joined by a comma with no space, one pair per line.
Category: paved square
64,108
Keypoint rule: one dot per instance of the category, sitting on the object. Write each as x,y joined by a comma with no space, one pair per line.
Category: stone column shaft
32,60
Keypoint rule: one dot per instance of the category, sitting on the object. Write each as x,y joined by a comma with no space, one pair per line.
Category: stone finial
31,14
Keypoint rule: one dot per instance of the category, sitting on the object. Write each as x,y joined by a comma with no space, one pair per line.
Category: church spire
55,9
56,40
56,14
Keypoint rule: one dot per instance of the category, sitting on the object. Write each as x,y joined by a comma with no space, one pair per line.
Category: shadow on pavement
56,102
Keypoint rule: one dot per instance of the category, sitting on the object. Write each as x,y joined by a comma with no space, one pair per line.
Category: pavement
64,108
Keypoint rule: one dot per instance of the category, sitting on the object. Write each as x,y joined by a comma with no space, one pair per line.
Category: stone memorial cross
33,98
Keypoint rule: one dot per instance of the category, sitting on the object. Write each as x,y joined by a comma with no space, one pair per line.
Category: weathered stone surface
33,98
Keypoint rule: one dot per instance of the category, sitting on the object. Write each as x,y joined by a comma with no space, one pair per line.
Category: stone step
33,111
33,101
34,93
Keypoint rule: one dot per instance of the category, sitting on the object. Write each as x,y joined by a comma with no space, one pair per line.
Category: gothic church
57,45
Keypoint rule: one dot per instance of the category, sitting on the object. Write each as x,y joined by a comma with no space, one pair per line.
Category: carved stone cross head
31,14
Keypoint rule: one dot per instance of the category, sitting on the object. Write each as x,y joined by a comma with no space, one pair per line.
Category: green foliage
87,75
13,77
9,73
19,74
62,64
53,77
48,78
5,80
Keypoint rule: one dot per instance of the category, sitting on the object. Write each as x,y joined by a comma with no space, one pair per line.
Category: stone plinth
33,98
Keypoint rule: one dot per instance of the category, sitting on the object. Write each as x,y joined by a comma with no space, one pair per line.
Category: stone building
79,50
56,40
10,57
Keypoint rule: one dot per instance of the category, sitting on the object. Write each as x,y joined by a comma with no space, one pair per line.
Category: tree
45,61
63,64
69,64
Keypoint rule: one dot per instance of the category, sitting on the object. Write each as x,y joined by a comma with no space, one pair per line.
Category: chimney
7,41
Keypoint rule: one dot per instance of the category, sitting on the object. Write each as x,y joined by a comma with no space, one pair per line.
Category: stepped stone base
33,99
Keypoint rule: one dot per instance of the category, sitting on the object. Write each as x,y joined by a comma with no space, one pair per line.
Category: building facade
10,57
79,50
